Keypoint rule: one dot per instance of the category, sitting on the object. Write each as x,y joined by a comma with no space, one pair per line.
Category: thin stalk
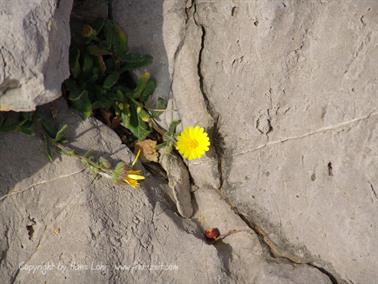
85,160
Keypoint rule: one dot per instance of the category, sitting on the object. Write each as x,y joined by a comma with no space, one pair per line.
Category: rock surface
65,226
242,254
288,89
61,224
178,182
298,108
142,22
34,42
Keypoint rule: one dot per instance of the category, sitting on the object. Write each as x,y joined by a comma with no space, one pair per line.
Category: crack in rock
308,134
276,251
30,187
210,109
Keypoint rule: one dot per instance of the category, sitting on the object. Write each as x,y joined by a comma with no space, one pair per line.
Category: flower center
193,143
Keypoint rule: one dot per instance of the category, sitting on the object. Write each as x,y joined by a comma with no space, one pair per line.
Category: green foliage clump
101,77
17,121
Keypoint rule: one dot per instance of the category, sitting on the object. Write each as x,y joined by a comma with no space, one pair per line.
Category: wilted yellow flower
123,173
132,177
193,142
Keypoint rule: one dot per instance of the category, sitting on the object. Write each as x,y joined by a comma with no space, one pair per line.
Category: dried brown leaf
148,149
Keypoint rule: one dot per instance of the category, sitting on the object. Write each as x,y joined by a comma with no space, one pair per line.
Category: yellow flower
132,177
193,142
123,173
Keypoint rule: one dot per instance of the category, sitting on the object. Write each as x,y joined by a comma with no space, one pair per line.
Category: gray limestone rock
60,224
291,87
34,42
241,252
287,90
178,182
295,85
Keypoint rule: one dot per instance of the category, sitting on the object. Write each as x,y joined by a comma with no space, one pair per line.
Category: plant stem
84,159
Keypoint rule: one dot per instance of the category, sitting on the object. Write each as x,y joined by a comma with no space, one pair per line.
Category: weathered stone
178,182
292,86
295,86
160,28
240,250
142,21
85,229
34,38
289,90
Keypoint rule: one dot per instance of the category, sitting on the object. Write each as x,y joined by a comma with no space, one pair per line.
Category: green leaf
59,134
25,129
172,127
161,106
116,39
143,115
133,114
63,141
76,95
166,147
104,163
161,145
28,116
148,90
67,151
49,128
74,62
83,104
120,95
110,80
118,172
97,51
133,61
119,41
125,119
87,64
110,63
104,103
141,85
48,147
141,131
26,122
95,72
168,137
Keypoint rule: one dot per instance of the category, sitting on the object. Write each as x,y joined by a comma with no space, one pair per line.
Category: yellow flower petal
193,142
133,183
132,177
136,177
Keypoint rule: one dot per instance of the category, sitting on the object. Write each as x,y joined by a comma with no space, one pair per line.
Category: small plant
101,83
32,123
101,80
16,121
120,173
